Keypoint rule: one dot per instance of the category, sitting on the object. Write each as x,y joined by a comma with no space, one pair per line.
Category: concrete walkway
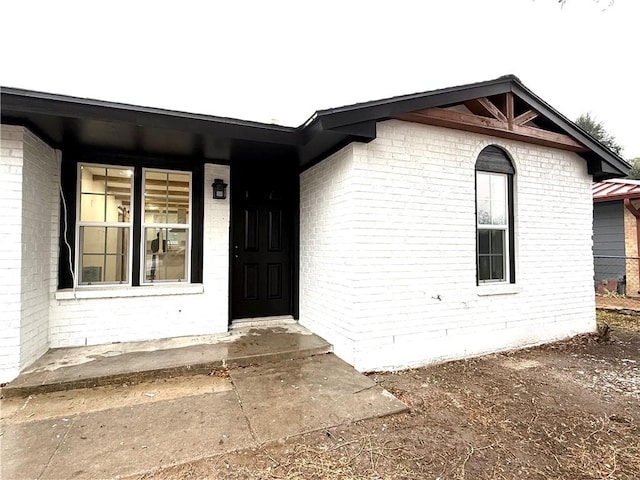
132,427
246,343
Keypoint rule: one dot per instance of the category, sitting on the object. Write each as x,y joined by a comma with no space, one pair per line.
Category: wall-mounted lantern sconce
219,189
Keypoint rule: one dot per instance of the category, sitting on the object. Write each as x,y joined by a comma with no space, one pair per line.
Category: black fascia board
616,162
19,103
378,110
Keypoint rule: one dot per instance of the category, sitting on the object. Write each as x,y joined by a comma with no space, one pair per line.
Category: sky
281,61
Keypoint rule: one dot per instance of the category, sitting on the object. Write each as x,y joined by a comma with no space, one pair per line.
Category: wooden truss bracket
488,118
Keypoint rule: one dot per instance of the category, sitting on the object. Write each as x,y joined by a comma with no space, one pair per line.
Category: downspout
636,213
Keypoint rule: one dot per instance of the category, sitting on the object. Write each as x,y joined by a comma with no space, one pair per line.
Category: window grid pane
166,226
491,199
104,224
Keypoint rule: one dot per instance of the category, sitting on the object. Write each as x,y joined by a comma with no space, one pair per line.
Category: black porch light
219,189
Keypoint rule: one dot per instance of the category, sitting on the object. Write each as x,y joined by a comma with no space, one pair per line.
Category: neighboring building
616,231
405,231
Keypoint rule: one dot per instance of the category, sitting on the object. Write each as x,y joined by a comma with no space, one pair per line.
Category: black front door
262,209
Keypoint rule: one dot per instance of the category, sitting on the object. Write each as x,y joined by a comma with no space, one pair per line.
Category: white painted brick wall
11,151
90,321
412,296
40,203
327,207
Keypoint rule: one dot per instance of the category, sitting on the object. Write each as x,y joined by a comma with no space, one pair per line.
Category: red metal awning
615,189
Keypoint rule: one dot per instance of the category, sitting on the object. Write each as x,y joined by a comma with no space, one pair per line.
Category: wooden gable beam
510,108
526,117
483,107
492,126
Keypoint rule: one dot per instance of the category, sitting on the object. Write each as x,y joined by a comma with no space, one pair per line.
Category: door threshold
263,321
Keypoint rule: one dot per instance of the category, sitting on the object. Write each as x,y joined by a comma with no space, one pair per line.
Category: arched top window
494,159
495,262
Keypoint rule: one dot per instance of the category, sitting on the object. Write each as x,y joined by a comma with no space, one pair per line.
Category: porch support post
636,213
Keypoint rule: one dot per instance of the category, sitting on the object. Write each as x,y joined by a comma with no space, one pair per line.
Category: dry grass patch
567,410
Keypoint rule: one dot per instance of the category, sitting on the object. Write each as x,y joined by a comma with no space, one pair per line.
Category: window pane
166,197
92,179
484,270
105,194
491,198
117,240
484,211
92,239
104,255
497,242
483,187
498,187
498,212
103,269
165,254
483,242
497,267
92,207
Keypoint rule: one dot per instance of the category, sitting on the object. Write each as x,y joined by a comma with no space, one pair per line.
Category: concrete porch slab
245,344
121,430
308,394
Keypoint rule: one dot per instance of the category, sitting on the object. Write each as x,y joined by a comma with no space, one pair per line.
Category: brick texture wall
327,212
409,257
40,206
11,153
28,189
631,250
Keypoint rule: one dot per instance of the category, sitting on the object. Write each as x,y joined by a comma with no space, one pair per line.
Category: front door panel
262,245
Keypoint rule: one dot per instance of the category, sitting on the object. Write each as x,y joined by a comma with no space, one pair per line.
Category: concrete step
86,367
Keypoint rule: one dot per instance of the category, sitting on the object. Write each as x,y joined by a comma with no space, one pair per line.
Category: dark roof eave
355,121
384,109
605,154
39,103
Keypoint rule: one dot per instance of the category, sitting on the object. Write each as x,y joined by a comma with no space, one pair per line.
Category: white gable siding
414,297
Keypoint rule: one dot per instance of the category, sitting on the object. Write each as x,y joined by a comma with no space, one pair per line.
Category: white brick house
405,231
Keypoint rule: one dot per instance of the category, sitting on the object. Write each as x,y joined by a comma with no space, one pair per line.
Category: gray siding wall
608,240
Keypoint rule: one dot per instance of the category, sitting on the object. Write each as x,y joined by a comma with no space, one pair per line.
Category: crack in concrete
246,417
53,454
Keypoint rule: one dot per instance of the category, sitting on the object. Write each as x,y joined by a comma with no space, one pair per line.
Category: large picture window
114,210
494,217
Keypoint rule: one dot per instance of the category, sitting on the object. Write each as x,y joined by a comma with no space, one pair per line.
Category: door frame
294,173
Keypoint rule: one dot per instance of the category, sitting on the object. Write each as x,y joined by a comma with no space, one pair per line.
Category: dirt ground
567,410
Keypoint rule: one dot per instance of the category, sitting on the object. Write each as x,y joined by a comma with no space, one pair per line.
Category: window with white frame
105,225
166,226
494,217
107,251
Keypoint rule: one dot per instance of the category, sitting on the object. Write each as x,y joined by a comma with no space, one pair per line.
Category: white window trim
504,227
143,226
124,291
80,223
489,289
